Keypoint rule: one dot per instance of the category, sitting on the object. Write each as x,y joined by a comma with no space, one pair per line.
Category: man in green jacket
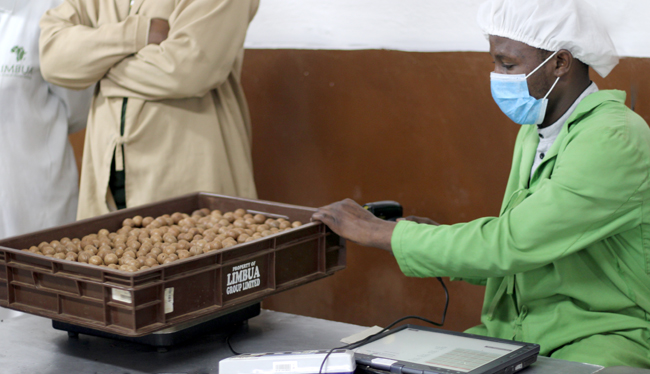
567,262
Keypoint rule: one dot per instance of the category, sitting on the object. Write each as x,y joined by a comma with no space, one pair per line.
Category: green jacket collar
585,107
592,101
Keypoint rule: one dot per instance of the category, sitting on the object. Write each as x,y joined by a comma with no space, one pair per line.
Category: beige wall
419,128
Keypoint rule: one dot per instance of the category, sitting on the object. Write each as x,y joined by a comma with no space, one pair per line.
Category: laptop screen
460,353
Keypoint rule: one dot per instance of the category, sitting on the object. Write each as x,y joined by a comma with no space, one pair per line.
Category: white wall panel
413,25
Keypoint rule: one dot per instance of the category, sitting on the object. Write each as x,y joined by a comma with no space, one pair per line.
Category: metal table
29,345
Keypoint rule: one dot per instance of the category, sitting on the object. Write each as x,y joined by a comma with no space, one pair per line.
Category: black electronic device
386,210
412,349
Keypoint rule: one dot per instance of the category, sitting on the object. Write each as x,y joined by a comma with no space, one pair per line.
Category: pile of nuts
143,243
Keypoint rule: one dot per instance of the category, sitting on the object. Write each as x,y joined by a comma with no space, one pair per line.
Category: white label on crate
122,295
243,277
285,366
169,300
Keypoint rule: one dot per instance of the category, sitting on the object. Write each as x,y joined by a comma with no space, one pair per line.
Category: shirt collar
551,132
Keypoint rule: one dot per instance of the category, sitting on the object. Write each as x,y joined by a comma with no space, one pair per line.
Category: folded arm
76,52
205,39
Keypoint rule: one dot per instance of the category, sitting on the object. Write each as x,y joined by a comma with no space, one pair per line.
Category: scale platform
174,335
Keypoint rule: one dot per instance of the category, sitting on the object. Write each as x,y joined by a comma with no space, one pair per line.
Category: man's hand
349,220
426,221
158,31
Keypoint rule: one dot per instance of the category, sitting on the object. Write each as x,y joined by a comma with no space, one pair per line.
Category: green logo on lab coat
19,51
20,70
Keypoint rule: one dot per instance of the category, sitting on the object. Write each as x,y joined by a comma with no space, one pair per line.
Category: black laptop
412,349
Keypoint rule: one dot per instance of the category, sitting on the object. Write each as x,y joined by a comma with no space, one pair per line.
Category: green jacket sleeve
594,192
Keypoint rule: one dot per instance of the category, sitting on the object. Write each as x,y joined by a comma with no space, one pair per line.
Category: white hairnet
552,25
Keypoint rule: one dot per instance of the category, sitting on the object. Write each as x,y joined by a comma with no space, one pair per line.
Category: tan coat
187,126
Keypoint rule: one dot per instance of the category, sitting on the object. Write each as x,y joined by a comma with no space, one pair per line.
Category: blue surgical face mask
510,91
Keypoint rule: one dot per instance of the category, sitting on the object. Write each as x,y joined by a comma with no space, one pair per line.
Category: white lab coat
38,173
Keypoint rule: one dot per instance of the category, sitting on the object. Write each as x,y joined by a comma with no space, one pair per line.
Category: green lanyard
131,5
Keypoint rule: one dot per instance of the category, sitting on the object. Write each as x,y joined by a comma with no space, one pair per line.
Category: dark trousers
116,183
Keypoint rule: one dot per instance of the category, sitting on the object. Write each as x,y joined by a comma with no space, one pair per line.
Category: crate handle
40,287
